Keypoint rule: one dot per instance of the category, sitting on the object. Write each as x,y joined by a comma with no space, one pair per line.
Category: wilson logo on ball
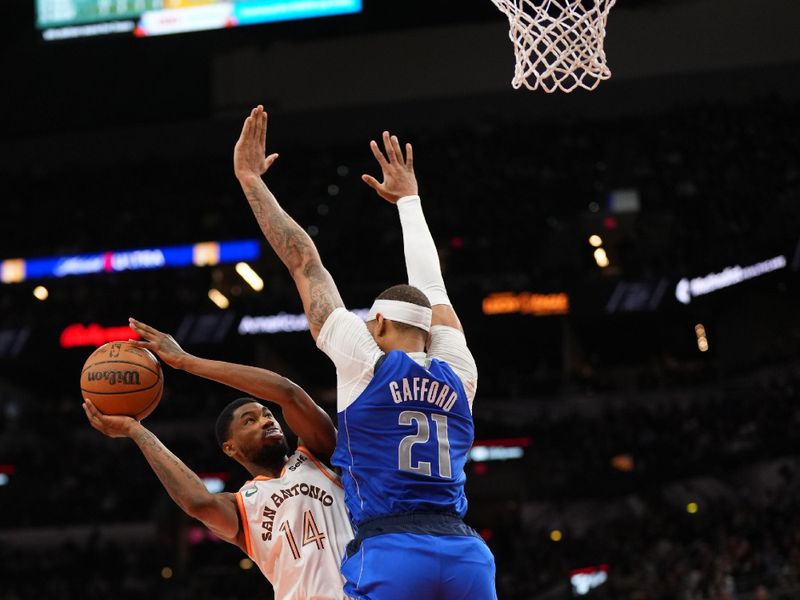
122,379
114,377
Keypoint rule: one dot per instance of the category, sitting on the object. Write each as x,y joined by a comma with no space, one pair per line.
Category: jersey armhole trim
245,523
325,470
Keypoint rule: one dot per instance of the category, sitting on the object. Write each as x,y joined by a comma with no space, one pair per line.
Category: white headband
403,312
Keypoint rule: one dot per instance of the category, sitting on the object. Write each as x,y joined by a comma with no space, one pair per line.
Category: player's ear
228,449
381,326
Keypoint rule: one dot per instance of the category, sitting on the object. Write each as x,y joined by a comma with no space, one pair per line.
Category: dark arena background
625,263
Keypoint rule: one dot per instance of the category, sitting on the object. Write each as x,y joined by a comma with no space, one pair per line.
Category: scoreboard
62,19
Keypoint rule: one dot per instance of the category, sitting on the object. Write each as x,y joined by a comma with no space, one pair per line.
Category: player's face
255,431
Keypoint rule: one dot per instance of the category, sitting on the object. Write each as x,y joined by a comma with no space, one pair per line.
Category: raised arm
399,187
216,511
289,241
303,416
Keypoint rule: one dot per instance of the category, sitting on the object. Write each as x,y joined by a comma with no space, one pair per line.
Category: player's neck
405,343
408,348
271,470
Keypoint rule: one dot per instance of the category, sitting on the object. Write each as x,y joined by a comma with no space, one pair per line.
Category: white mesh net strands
558,44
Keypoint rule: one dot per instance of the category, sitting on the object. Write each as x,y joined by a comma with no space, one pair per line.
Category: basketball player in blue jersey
404,412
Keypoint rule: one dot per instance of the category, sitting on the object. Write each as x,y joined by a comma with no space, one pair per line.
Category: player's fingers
140,327
262,130
270,159
89,408
387,144
409,156
144,344
371,182
376,151
247,130
396,147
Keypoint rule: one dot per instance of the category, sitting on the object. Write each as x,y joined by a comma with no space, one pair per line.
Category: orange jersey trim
245,523
325,470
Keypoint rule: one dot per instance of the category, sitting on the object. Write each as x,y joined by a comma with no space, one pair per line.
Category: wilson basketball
121,379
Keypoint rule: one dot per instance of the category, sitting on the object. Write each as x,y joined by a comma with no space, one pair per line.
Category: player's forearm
259,383
181,483
290,242
422,257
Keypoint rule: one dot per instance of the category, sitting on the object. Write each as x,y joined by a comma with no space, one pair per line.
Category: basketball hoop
558,43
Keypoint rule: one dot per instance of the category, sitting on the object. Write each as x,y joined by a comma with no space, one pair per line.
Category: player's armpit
219,513
442,314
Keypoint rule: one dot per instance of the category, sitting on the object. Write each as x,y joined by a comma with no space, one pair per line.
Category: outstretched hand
398,172
162,344
249,154
111,425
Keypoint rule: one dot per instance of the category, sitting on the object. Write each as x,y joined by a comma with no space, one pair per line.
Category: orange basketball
121,379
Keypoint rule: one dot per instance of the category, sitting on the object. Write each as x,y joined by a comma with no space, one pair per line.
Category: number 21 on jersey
411,418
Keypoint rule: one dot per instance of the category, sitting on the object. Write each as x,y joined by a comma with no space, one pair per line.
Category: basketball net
558,43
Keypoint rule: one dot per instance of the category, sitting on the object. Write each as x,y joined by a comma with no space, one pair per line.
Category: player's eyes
250,420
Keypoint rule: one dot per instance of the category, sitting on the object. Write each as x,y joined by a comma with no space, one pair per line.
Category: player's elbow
303,260
284,393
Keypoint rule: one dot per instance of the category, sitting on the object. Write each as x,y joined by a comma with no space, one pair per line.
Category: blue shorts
399,566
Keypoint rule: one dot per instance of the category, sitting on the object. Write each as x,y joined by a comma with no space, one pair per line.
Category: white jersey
296,528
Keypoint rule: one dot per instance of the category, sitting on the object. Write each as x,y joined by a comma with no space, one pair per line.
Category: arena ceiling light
601,258
218,298
252,278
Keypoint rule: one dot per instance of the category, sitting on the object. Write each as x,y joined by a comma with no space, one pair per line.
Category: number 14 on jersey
311,534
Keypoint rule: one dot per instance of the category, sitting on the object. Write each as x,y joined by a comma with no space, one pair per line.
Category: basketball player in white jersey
406,383
290,518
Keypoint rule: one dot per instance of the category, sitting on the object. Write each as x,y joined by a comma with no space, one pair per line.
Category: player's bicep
318,292
448,344
313,426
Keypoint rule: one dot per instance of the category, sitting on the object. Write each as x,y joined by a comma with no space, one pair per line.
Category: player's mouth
273,432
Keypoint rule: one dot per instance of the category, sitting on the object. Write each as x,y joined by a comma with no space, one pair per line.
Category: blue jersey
403,442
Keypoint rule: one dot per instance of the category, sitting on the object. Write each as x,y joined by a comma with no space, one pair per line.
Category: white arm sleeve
344,337
422,258
449,345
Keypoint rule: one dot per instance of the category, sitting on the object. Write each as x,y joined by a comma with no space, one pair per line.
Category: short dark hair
222,428
406,293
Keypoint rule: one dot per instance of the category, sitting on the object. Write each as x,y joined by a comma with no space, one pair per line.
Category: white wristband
422,258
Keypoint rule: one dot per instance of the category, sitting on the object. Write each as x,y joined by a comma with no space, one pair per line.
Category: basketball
122,379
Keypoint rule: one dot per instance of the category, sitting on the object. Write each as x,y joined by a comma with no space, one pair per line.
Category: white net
558,43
